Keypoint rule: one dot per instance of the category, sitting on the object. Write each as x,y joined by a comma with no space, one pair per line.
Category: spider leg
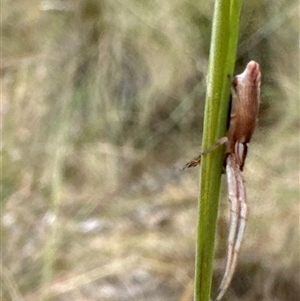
238,213
243,209
197,160
232,184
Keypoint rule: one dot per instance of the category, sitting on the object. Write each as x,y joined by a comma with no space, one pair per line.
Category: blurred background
102,104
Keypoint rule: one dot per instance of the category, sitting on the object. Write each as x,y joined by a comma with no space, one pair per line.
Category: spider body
244,111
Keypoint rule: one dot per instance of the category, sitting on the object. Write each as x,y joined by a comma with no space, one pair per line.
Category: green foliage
221,65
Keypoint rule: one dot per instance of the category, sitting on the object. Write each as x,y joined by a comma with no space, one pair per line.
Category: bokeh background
102,104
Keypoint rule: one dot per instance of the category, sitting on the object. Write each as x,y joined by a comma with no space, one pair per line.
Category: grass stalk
221,65
51,243
58,145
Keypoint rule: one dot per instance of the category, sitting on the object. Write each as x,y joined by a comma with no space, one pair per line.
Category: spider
242,121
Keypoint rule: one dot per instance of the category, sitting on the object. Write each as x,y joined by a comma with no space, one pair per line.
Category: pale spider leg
196,161
243,209
237,196
232,185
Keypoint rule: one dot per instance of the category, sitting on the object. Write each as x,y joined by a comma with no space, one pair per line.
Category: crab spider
242,122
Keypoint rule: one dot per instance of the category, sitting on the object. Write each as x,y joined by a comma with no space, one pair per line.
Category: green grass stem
221,65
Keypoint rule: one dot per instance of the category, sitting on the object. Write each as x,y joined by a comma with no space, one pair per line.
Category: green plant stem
221,65
51,242
58,146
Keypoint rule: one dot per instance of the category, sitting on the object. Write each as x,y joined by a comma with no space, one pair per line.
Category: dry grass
101,105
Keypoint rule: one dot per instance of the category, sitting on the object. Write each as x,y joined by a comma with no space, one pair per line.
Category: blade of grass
51,242
58,146
221,65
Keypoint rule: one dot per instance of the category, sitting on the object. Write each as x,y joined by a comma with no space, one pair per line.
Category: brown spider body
244,111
